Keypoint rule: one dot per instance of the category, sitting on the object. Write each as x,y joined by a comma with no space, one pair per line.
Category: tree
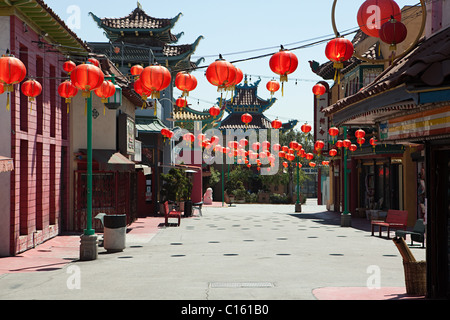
176,186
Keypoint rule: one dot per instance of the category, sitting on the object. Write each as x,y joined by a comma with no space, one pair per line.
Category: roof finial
139,5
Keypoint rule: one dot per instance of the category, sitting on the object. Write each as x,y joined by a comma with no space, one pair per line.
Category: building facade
408,105
36,135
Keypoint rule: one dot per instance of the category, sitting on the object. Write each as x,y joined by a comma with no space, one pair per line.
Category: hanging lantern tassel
68,101
7,101
283,79
31,99
337,75
8,88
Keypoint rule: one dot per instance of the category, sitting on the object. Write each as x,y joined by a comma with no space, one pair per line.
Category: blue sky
232,26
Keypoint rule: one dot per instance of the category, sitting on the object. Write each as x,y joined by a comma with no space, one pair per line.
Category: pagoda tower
246,100
139,38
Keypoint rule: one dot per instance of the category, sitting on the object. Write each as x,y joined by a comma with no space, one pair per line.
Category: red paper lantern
246,118
185,82
339,50
141,90
94,61
346,143
233,144
169,134
67,90
306,128
12,71
312,164
361,141
214,111
106,90
221,73
360,133
31,88
283,63
243,142
353,147
164,132
332,152
374,13
309,156
155,78
87,77
276,124
319,89
290,157
256,146
393,32
333,131
68,66
373,141
214,140
273,86
189,137
325,163
181,102
293,145
239,76
319,145
136,70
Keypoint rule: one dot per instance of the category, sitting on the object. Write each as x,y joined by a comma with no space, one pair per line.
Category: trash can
115,228
188,208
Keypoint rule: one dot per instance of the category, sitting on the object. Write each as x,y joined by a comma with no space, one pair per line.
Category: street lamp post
298,205
346,218
88,247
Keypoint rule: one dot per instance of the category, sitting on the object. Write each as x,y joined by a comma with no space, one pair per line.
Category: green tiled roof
149,125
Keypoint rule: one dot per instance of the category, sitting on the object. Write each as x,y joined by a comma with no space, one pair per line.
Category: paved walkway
245,252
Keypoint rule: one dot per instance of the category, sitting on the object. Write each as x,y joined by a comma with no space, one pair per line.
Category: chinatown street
246,252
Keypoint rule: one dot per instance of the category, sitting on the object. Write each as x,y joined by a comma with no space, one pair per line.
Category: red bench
395,219
171,214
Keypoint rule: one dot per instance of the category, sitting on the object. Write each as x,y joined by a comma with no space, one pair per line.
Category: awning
147,170
110,160
6,164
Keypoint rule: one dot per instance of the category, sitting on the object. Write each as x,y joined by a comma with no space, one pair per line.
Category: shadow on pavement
333,219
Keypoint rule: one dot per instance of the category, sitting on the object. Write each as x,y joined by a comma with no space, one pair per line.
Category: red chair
171,214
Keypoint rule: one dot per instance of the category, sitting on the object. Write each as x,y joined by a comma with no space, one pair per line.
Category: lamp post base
88,248
346,220
298,207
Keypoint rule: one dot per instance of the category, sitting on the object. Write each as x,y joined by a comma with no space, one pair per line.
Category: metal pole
89,231
345,177
298,180
223,187
88,243
298,205
346,216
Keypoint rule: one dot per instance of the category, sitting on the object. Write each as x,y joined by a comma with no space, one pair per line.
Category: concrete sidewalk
245,252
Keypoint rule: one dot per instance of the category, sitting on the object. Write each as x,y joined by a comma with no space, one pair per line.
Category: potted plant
176,187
